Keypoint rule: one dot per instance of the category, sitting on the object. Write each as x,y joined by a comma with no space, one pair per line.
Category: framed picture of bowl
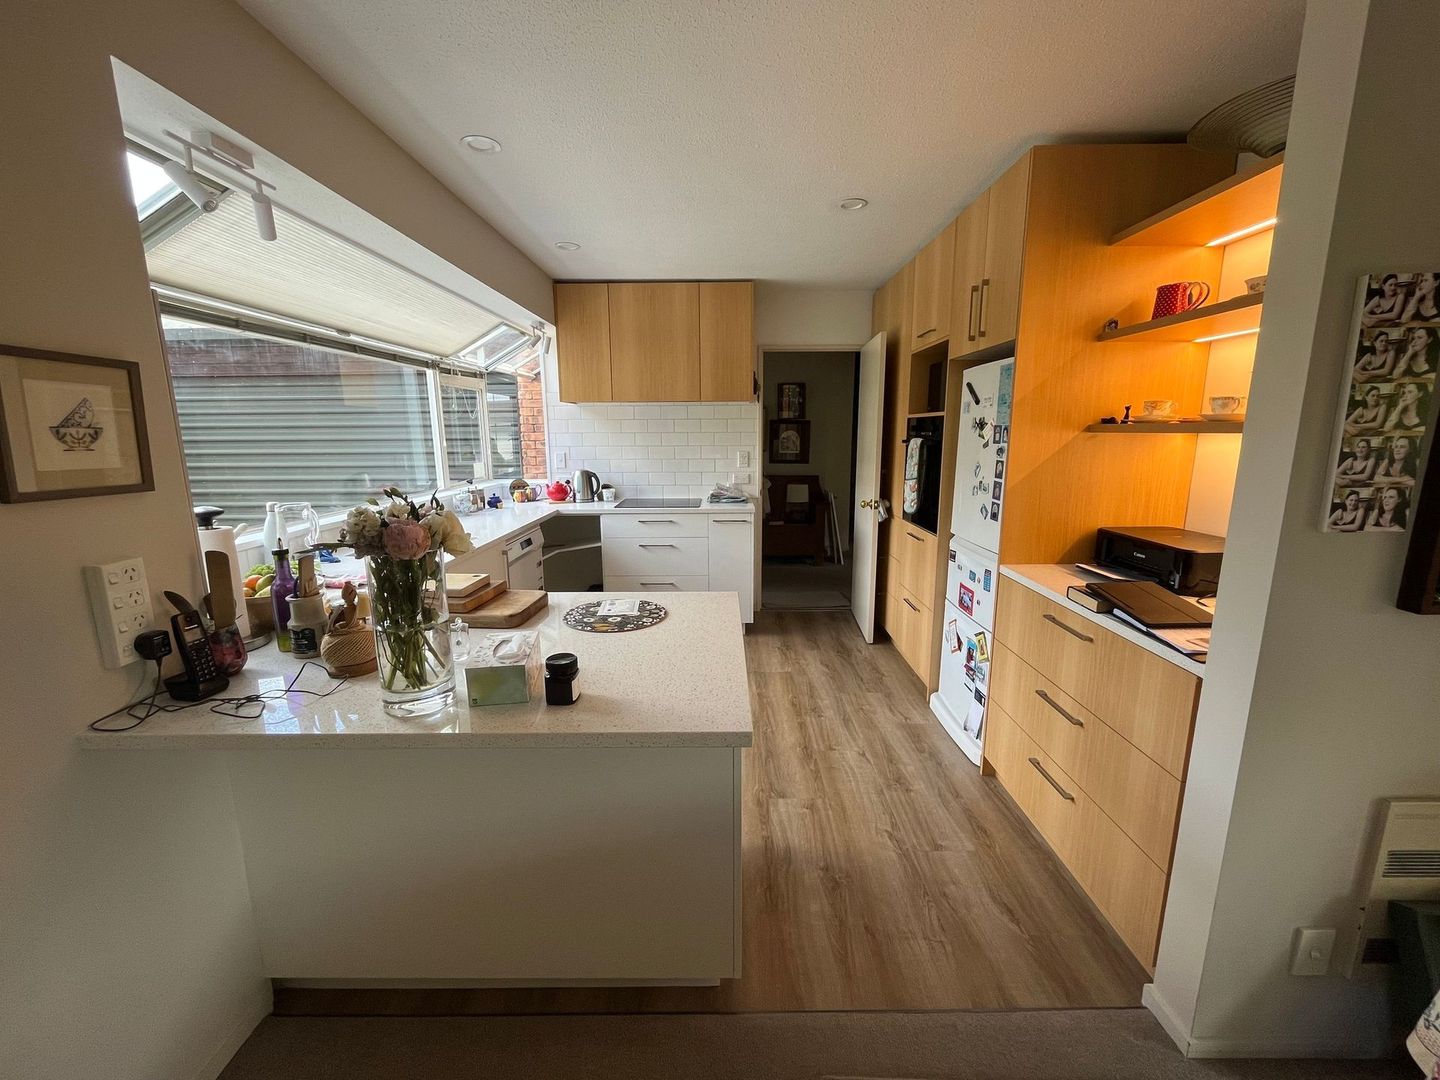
70,426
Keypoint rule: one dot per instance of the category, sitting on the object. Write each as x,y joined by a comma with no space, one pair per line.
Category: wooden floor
882,871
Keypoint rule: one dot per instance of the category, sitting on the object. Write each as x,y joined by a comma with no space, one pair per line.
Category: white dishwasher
524,562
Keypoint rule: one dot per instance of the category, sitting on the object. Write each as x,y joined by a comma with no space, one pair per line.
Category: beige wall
126,947
1321,696
796,317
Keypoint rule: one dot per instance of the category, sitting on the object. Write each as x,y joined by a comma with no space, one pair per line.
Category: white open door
869,430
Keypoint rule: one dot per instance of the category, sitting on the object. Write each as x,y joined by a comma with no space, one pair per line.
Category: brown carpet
1104,1044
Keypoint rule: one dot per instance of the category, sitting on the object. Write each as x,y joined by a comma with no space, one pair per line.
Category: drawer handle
911,606
1069,629
658,584
1048,700
1051,780
732,521
657,521
923,333
912,536
656,545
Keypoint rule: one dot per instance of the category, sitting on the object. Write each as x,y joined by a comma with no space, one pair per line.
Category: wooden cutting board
514,607
462,586
477,600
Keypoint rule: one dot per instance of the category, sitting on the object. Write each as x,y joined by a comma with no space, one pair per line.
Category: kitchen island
518,844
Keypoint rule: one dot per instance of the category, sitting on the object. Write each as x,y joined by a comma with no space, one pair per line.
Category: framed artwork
790,400
790,442
1387,404
70,426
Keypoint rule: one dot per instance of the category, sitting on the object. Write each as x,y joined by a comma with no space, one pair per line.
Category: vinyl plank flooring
882,871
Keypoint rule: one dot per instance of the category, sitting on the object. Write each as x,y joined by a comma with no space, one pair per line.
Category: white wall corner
1175,1026
249,1011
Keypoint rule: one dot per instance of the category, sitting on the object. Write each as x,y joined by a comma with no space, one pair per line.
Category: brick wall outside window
533,455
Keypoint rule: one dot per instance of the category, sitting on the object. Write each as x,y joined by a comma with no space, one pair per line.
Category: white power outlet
120,603
1313,948
739,478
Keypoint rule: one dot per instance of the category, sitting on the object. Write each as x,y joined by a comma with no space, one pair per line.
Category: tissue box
504,669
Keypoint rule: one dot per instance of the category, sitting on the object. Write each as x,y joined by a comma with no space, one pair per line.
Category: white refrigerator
968,627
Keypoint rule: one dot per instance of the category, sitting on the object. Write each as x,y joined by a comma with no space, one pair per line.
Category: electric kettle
586,485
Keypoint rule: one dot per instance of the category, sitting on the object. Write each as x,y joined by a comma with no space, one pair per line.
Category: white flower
397,510
447,532
362,528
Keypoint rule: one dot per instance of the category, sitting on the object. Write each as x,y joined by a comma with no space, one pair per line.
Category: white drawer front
653,523
651,555
657,583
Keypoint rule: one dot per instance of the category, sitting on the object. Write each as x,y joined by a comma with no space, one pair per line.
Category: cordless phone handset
201,678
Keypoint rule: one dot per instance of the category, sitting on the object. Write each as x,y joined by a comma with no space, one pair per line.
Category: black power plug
153,645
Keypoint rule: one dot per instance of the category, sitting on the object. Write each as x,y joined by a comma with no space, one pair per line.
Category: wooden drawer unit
1136,793
913,631
657,557
1050,798
1125,885
918,562
1147,700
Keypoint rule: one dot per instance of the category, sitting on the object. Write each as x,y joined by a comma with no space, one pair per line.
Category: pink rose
405,539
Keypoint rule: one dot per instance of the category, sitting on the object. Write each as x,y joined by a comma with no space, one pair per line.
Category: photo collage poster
1388,404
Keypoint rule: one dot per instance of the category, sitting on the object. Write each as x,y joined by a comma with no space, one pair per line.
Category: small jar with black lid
560,671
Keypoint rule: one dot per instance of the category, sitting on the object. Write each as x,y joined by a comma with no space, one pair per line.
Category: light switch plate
1314,946
562,460
742,458
120,605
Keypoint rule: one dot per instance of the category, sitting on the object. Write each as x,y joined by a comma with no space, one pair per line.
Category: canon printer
1183,561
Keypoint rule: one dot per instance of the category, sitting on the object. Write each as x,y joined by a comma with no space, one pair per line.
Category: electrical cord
245,707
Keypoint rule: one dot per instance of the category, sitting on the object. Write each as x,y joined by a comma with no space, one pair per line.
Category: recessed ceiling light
567,245
482,144
854,204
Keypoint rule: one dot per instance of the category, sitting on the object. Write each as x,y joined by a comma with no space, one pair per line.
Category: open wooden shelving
1170,427
1236,203
1237,315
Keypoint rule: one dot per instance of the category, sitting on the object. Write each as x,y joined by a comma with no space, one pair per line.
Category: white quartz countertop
682,682
1051,580
514,519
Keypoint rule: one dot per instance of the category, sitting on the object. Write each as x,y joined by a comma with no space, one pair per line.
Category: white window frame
464,380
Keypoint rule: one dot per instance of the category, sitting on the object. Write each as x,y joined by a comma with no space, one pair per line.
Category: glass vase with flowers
404,545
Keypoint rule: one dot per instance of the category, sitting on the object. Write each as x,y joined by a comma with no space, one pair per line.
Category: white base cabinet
681,553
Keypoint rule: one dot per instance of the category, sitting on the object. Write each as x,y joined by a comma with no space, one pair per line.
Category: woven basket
349,651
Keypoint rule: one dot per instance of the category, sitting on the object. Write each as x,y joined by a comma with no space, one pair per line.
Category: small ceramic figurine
349,645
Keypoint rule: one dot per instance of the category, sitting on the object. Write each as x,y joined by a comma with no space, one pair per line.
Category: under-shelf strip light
1240,234
1222,337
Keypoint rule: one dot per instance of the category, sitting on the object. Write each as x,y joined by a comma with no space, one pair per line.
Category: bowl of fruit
257,598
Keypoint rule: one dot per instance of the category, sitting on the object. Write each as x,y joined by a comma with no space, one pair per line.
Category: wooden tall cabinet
969,272
989,252
655,340
933,277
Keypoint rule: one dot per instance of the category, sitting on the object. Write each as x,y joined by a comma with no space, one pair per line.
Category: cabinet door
655,341
582,341
970,229
934,277
727,340
1009,198
732,560
917,562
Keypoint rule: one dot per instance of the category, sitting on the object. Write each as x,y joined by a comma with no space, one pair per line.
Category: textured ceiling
680,138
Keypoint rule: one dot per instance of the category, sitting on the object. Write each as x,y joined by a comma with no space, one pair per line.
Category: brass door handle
1069,629
1048,700
1041,770
869,504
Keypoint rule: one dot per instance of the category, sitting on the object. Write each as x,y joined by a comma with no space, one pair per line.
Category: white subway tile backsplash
654,450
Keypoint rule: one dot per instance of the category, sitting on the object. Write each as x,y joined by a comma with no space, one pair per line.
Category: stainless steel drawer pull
911,606
1048,700
657,521
659,584
656,545
1069,629
1051,780
731,521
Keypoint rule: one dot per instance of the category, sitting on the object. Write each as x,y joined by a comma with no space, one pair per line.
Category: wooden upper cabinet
727,340
582,341
1009,200
655,341
970,229
933,277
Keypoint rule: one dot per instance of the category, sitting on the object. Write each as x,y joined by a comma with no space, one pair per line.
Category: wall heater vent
1403,863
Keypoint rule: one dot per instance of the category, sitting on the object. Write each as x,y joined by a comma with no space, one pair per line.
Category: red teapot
558,491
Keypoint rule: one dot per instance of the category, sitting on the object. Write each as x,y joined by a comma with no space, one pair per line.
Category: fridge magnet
1387,404
70,426
790,442
952,635
790,400
966,600
982,648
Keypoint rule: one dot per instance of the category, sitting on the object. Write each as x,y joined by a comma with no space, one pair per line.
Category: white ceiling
686,138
